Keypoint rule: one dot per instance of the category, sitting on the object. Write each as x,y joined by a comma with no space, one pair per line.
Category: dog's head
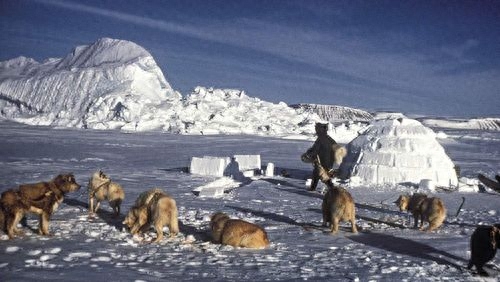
130,219
218,217
402,202
135,219
217,222
98,178
66,183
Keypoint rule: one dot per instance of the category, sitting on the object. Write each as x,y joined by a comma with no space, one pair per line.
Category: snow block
270,170
248,162
211,166
236,167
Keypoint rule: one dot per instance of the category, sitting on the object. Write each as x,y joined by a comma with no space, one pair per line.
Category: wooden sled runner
495,185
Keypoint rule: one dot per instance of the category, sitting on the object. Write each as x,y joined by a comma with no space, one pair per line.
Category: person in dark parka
326,150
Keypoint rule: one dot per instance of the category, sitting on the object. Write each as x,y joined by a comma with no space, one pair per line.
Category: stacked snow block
225,166
400,150
248,164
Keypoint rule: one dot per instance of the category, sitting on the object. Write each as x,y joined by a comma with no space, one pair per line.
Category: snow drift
401,150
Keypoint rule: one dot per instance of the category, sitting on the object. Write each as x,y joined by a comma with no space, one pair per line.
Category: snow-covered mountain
104,85
116,84
335,114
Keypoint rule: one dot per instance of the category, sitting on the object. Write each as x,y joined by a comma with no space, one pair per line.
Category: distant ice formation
116,84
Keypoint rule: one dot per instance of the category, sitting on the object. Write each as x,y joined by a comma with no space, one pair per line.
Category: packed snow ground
98,249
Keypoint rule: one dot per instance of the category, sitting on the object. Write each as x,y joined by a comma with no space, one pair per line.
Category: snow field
384,249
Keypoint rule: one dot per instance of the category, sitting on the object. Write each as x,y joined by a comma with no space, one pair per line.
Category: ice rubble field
98,249
116,84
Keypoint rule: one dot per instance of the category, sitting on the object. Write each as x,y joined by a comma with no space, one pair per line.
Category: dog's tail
174,221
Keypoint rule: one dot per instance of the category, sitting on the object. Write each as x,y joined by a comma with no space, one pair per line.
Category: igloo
398,150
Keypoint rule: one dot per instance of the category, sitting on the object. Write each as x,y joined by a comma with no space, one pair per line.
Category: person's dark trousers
315,179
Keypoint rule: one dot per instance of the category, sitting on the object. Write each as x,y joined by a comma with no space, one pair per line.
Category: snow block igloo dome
401,150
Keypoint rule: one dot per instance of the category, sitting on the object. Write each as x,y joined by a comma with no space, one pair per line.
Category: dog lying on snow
484,243
41,198
102,188
237,232
153,207
424,208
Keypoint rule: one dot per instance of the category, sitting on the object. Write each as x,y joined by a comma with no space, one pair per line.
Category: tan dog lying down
42,198
102,188
237,232
424,208
153,207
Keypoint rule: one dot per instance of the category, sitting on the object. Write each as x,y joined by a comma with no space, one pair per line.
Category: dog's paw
19,232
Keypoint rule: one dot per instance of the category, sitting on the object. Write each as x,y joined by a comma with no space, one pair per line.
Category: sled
495,185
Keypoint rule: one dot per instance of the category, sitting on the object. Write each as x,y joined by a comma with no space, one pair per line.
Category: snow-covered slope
400,150
104,85
336,114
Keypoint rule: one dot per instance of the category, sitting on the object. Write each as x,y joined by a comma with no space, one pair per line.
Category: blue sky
439,58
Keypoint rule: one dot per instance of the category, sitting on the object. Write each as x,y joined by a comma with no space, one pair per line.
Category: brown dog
424,208
484,243
12,209
41,198
153,207
338,206
237,232
102,188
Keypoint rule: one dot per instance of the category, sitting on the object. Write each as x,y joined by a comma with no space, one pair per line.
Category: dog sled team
156,208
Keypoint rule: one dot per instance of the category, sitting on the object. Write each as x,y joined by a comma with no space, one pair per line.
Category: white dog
102,188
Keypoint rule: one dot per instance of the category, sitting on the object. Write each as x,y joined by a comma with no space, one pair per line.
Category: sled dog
12,209
338,206
237,232
41,198
423,208
153,207
102,188
484,243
